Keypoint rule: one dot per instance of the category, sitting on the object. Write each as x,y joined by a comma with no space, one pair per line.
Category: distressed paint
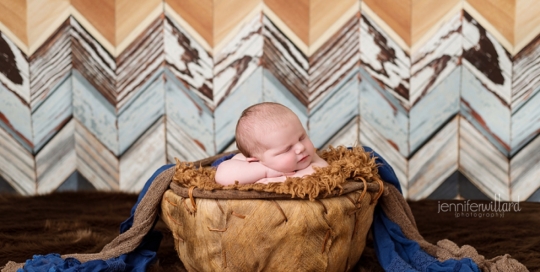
488,114
434,110
488,59
14,69
188,60
482,163
94,112
181,145
370,137
191,115
143,158
95,161
15,118
50,65
236,61
227,113
274,91
285,61
332,114
139,63
524,171
334,61
384,60
384,113
434,162
17,165
57,160
53,113
141,112
436,59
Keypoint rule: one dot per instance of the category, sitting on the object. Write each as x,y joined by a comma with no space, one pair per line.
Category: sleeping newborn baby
273,145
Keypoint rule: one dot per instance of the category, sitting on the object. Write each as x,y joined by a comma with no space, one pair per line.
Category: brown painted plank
198,14
228,14
527,25
295,14
323,14
44,18
131,13
426,14
101,14
397,14
499,13
13,16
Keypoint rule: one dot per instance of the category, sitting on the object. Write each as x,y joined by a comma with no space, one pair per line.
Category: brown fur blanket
84,222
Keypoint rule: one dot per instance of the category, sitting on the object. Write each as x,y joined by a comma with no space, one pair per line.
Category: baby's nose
300,148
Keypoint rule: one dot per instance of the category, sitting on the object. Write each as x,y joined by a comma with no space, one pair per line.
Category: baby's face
286,148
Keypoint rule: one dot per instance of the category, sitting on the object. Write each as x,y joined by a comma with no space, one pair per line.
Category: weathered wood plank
433,61
57,160
488,113
143,158
274,91
240,57
94,161
434,109
333,114
370,137
17,165
188,60
94,112
434,162
50,64
15,118
333,62
93,62
14,69
227,113
139,63
53,113
190,114
141,111
482,163
384,60
285,61
385,113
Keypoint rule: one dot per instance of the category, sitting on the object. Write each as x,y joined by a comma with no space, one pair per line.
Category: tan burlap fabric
269,235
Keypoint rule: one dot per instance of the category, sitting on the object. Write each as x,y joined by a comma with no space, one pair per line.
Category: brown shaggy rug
84,222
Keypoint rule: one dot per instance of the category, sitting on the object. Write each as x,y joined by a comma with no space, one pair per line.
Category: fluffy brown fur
344,165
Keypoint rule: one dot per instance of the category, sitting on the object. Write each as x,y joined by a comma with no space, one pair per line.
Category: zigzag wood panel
193,61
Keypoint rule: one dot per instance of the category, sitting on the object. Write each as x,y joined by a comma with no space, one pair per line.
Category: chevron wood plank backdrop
102,93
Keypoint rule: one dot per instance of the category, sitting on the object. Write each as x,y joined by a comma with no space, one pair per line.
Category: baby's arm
318,161
239,169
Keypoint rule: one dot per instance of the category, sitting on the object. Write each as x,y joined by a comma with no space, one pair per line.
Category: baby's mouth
304,158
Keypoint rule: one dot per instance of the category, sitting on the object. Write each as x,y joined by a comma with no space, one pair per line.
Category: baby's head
272,134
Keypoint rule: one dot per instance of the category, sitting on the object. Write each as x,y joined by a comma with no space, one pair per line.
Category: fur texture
344,165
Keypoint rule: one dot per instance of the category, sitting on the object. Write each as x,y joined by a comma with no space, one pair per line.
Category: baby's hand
271,173
272,180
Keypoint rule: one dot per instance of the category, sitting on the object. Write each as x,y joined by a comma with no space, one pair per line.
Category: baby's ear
251,159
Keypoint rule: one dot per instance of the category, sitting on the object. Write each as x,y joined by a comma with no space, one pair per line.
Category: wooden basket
233,230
